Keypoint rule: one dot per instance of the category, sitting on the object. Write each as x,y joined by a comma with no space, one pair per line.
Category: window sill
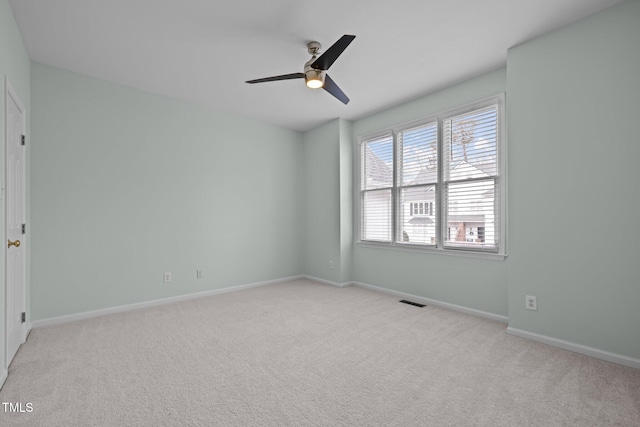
433,250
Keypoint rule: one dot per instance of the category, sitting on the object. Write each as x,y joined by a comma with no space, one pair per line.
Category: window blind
417,178
377,185
470,180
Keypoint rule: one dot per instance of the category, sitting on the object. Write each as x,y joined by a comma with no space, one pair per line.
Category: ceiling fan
315,74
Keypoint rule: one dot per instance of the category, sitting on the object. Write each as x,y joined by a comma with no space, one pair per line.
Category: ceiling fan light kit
314,79
315,75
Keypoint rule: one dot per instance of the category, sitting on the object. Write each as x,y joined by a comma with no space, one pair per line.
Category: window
437,184
377,186
421,208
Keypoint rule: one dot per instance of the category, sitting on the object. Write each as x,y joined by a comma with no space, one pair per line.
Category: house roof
464,170
421,220
426,175
378,172
466,218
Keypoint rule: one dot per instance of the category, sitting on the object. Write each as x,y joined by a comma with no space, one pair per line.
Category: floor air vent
404,301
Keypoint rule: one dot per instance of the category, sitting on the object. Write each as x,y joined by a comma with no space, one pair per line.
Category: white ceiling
202,51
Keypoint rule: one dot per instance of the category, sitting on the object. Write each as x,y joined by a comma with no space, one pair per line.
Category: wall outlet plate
531,303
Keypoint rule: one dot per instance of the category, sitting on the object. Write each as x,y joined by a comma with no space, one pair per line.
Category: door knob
10,243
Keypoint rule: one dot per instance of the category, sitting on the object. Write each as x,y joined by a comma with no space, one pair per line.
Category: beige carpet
306,354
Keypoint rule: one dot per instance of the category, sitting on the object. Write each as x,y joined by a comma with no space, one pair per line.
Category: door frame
9,92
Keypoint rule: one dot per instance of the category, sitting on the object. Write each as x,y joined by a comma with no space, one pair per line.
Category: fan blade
276,78
331,87
330,55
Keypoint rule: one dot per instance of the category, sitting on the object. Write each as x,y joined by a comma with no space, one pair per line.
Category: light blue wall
474,283
127,185
574,198
15,66
326,230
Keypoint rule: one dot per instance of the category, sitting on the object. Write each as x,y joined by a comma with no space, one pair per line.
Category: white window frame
441,227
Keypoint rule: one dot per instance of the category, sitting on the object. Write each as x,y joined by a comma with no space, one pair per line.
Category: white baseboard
577,348
554,342
327,282
3,377
27,331
422,300
136,306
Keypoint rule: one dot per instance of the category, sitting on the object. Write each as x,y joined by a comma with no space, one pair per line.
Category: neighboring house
419,209
470,211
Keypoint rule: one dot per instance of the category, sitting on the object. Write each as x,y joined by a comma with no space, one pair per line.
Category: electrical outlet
531,303
331,265
167,277
199,274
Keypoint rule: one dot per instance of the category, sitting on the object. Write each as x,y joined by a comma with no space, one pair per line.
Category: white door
14,220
